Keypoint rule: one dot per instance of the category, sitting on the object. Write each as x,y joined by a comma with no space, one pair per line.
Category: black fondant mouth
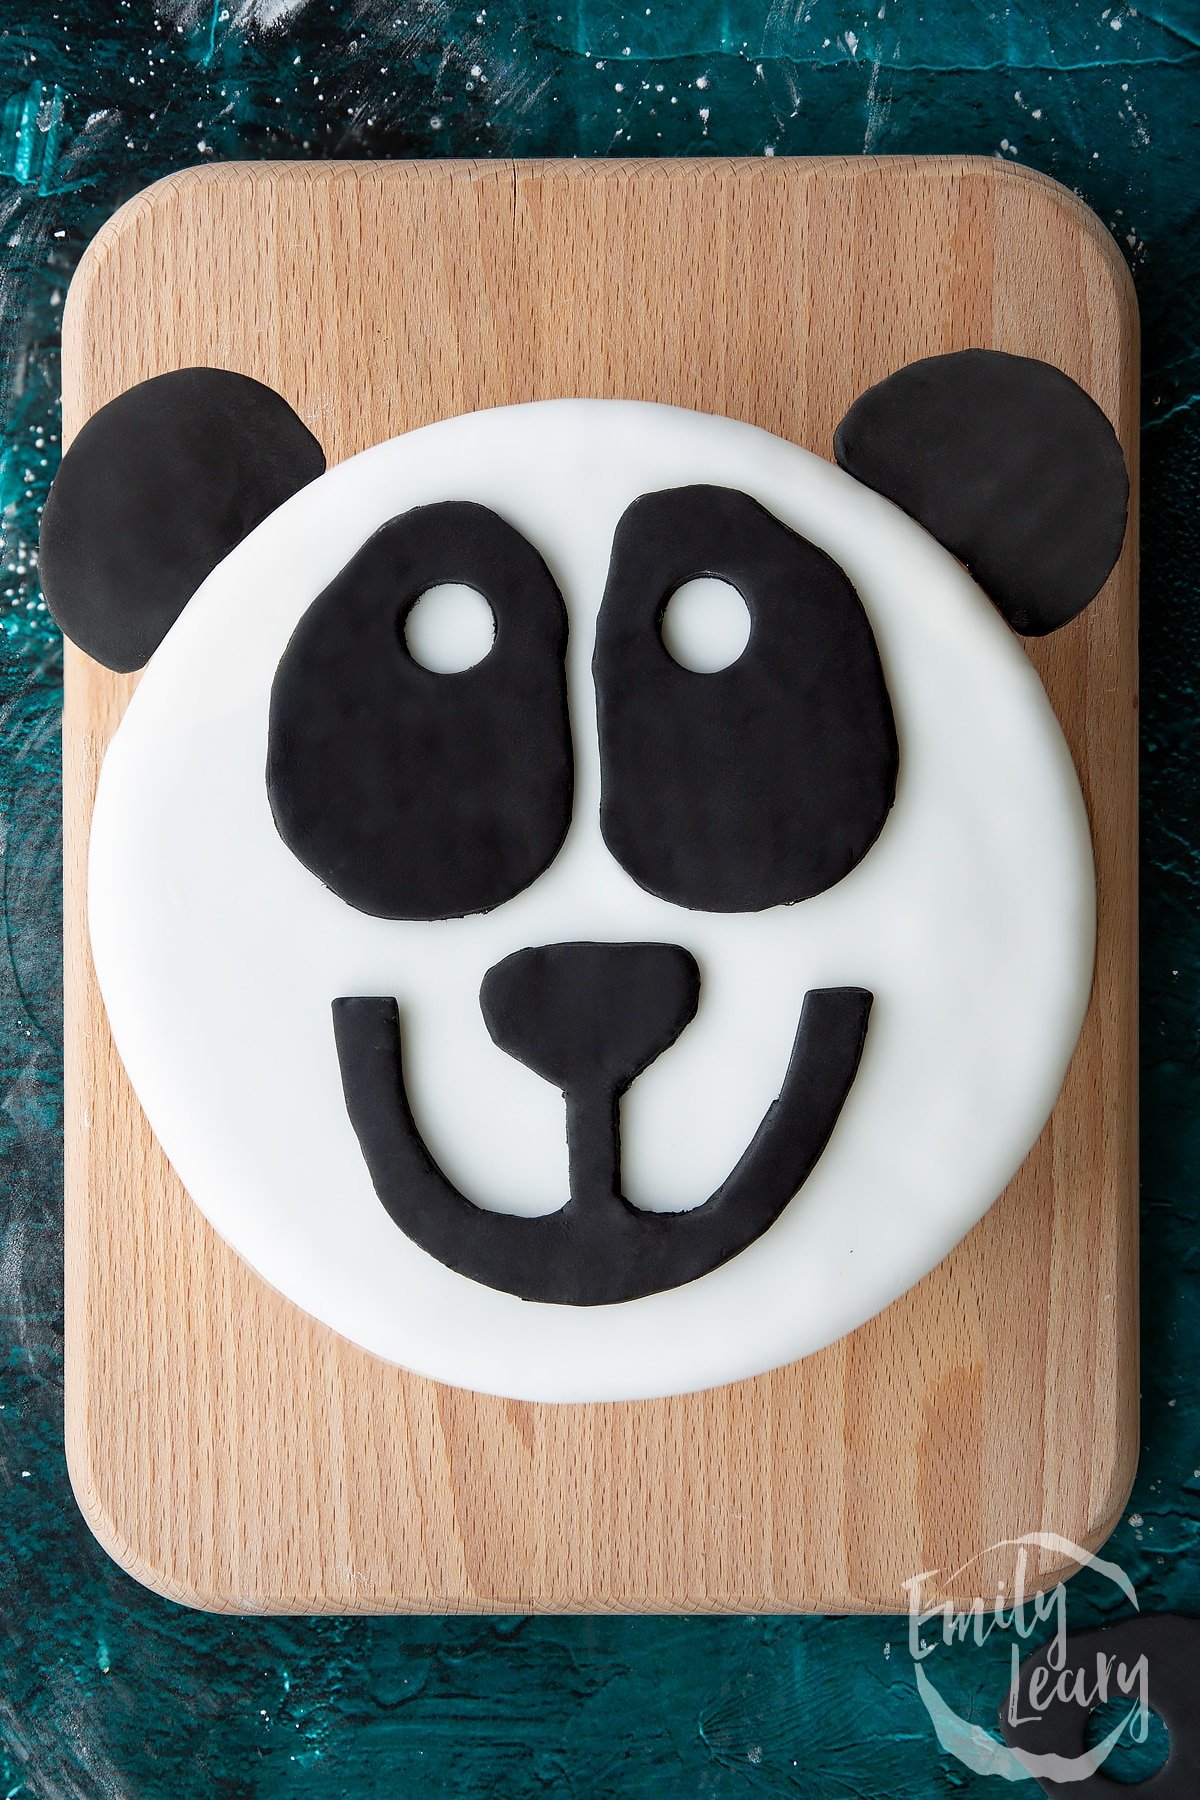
597,1249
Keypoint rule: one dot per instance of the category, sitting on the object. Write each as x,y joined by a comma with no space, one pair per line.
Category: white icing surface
706,625
971,920
449,628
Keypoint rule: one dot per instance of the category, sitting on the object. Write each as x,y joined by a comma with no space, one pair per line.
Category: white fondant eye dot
706,625
449,628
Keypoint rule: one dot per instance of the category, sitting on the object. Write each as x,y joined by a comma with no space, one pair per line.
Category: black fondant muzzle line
597,1249
588,1018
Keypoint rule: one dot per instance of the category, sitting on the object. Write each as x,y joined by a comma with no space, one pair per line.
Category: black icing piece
156,489
413,794
589,1018
597,1249
1010,465
767,781
1171,1646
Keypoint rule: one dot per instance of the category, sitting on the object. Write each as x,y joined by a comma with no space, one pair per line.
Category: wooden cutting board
233,1453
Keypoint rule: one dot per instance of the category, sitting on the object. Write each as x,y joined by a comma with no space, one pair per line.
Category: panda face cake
562,975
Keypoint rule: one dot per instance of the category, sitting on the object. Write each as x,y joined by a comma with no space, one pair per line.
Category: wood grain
233,1453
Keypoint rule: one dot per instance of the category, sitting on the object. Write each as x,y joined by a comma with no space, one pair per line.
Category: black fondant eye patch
412,794
769,780
1055,1722
1010,465
155,491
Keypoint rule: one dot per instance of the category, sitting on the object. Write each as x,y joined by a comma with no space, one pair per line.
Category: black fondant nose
589,1017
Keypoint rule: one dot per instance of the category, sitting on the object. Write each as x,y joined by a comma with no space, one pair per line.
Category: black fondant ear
1009,464
155,490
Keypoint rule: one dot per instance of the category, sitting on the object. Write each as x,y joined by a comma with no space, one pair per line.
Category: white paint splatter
251,16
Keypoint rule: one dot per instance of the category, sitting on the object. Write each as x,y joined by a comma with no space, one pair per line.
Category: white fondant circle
971,921
449,628
705,625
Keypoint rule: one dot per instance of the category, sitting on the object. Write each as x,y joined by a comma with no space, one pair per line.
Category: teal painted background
106,1690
